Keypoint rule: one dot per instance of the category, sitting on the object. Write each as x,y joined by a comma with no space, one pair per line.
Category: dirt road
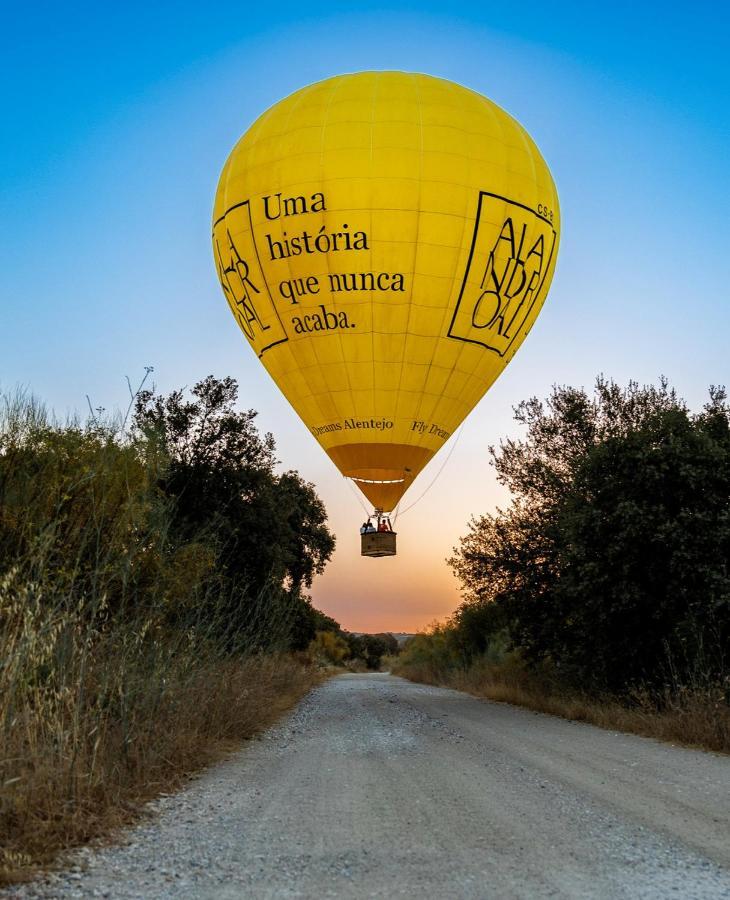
376,787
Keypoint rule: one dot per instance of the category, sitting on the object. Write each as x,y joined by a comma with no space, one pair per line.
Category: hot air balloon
385,241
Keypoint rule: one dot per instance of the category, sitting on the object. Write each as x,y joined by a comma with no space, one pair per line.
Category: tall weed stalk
120,672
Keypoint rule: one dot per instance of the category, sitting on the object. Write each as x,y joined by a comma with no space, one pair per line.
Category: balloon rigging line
359,498
397,511
436,477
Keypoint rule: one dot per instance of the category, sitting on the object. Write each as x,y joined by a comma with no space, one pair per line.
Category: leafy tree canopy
612,560
221,475
184,514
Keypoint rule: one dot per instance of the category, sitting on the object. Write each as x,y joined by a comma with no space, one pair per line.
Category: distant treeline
334,646
610,568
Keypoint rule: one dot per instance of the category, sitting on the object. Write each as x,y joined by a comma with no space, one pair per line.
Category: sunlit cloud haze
116,128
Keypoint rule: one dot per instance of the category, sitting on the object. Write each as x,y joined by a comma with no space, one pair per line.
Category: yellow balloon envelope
385,241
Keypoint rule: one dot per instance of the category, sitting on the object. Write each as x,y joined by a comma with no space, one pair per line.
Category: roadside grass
127,661
103,732
695,716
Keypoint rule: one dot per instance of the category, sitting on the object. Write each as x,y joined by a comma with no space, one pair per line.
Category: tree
328,647
269,530
646,544
612,560
370,648
303,519
392,647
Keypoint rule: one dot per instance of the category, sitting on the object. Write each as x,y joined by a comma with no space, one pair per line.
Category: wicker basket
378,543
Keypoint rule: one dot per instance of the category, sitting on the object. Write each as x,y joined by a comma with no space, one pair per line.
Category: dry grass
127,660
698,717
84,747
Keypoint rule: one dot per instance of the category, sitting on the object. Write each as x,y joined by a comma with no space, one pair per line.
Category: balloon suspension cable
435,479
397,511
359,498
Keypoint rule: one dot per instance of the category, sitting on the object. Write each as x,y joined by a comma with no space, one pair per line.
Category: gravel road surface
376,787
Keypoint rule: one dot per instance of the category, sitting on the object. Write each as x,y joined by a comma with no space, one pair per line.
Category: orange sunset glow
124,195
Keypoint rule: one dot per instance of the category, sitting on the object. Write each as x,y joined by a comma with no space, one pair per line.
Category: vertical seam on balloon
258,126
531,157
414,79
464,234
295,356
438,337
419,440
228,166
465,349
335,86
370,251
446,311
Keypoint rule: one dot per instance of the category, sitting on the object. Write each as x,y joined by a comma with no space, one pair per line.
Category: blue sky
117,122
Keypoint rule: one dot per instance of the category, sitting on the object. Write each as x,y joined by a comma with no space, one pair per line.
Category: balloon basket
378,543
